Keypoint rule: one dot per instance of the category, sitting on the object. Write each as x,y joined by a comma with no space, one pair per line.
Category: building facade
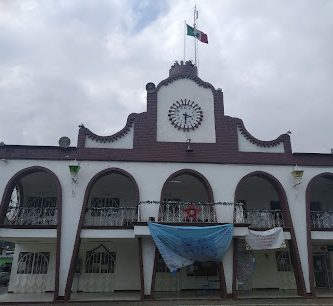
182,162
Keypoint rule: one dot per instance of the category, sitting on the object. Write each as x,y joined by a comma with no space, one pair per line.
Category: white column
148,257
296,200
71,211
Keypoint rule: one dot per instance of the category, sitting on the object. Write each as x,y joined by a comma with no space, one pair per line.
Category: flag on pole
197,34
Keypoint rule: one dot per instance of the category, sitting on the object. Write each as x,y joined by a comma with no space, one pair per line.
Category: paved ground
249,302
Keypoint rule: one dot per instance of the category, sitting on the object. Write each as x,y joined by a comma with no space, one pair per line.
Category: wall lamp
297,174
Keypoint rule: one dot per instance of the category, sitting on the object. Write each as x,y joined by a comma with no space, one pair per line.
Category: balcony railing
186,212
31,216
264,218
111,216
322,219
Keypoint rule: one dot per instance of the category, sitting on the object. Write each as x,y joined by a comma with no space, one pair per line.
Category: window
101,206
100,260
283,261
14,204
42,202
33,263
99,202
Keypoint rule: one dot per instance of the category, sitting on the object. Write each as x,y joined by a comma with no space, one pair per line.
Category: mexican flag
197,34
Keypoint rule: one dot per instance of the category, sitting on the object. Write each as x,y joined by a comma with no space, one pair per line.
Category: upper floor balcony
177,212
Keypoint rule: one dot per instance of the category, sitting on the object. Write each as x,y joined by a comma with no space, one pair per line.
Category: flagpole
184,40
195,42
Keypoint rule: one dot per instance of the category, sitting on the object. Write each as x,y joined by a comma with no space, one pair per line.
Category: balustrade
322,219
170,211
111,216
31,216
258,218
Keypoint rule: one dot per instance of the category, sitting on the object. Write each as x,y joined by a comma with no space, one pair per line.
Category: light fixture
74,169
188,148
297,174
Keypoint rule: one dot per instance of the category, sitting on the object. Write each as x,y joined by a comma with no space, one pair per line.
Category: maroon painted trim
180,76
197,175
86,133
234,267
308,227
223,286
77,243
5,202
142,282
284,138
147,150
299,276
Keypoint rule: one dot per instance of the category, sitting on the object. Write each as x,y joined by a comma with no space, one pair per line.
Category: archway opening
32,200
320,204
187,197
112,201
265,271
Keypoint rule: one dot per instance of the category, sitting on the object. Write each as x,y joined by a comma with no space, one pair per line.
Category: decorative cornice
191,77
113,137
261,143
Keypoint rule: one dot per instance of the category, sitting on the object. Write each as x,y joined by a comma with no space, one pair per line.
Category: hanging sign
266,240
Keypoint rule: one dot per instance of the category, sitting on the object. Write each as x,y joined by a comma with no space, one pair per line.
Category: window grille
100,260
283,261
33,263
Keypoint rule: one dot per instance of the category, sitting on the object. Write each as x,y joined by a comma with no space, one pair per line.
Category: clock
185,115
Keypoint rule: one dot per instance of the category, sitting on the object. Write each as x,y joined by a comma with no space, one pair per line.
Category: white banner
266,240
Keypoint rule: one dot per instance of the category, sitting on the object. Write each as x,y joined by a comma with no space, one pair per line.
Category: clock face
185,115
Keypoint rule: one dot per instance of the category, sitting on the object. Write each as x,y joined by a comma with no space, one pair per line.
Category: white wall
185,89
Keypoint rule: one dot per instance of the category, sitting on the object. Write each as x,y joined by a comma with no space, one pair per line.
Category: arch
308,225
195,174
76,248
287,221
15,179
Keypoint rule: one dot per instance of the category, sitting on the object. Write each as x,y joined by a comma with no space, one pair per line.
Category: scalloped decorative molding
278,145
179,76
128,129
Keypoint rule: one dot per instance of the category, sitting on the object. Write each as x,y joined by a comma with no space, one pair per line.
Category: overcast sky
64,63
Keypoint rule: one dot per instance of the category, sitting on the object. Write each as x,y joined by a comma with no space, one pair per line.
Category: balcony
321,220
26,216
258,218
185,212
111,216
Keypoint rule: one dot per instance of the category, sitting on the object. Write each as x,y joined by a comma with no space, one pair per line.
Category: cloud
63,63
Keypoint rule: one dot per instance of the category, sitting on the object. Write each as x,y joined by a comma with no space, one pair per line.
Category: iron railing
322,219
111,216
174,211
31,216
264,218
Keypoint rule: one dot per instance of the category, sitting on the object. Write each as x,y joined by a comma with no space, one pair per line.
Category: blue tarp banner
181,246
